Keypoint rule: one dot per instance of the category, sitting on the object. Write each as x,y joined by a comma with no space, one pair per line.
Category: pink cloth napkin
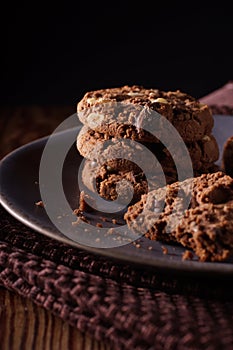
220,100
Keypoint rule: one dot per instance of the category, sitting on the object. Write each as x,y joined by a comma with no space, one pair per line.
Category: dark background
54,53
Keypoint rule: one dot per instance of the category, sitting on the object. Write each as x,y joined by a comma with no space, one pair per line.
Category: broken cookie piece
197,213
208,231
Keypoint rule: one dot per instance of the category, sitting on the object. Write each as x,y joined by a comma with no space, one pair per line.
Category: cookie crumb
114,221
165,250
111,231
187,255
150,247
78,212
138,245
40,204
80,215
83,205
99,224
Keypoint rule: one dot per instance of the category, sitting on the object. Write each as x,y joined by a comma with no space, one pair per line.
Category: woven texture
128,307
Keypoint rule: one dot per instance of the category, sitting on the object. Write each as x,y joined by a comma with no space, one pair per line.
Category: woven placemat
127,306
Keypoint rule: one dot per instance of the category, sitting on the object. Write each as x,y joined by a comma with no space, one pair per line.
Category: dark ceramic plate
20,191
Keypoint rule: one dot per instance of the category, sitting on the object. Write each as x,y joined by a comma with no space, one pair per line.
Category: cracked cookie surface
136,107
166,214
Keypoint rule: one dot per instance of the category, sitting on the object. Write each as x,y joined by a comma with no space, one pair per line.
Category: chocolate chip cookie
122,178
165,214
227,158
134,110
94,145
99,148
208,230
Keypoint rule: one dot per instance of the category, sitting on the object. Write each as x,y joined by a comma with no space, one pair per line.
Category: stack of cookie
127,139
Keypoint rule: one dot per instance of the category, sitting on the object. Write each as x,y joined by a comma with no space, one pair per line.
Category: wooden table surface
23,324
